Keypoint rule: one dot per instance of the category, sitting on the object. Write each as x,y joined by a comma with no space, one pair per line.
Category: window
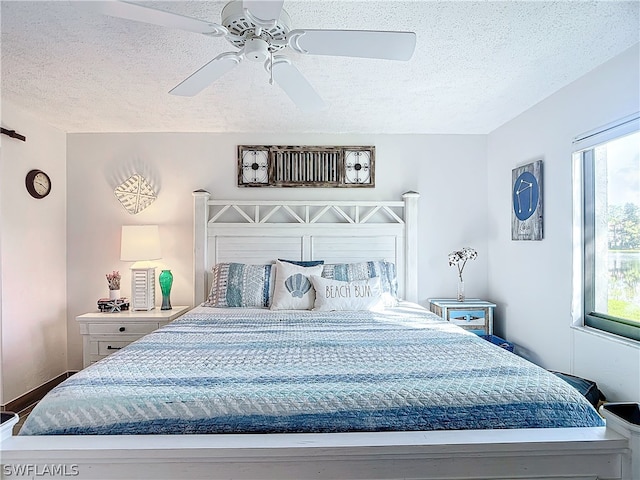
608,165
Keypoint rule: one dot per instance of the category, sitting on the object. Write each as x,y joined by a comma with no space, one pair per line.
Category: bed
392,393
257,371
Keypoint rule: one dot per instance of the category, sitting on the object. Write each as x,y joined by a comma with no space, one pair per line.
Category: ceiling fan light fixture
256,49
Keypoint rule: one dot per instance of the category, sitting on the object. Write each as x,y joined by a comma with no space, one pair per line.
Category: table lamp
141,244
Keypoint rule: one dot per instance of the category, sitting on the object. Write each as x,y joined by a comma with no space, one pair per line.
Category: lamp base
143,288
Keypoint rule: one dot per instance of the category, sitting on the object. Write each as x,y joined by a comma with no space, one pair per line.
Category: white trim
603,334
619,128
200,216
577,296
411,245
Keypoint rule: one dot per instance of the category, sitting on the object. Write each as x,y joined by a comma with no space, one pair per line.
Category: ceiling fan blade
354,43
207,74
264,10
139,13
295,85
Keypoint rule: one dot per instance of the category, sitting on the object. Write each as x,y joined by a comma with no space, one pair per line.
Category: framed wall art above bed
306,166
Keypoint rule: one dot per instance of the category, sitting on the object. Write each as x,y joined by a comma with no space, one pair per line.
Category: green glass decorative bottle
166,280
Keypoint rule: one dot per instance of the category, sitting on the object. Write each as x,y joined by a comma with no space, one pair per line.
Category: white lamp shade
140,243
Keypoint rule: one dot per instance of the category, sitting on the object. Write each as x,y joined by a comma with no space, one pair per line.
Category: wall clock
526,202
38,183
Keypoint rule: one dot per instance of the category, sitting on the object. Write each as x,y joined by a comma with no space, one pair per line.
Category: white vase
114,294
460,296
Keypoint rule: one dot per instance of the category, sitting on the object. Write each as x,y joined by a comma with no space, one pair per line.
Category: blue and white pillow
349,272
241,285
303,263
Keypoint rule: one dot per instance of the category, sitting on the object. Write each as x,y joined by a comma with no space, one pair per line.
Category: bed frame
260,231
337,232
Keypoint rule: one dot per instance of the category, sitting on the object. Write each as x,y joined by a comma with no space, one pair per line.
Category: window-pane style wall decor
288,166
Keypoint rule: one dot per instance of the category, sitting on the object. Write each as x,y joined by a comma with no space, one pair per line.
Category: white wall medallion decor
253,166
287,166
135,193
526,202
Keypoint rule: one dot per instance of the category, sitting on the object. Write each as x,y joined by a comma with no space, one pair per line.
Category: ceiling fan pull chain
271,67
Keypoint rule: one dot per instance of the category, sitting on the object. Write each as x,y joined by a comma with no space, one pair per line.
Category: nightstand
104,333
472,314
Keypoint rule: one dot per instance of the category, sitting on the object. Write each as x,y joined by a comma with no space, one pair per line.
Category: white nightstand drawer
122,328
107,348
104,333
99,346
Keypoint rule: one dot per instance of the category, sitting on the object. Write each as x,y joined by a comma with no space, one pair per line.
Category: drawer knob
109,347
122,329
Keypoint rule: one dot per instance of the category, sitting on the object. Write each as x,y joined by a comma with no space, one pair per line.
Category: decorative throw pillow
356,295
293,289
304,263
348,272
240,285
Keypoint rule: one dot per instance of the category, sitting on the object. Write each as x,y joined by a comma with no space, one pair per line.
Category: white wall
448,170
33,249
531,281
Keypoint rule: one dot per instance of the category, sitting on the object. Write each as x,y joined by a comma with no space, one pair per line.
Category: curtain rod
13,134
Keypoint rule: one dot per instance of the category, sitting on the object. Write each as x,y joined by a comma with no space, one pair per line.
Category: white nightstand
472,314
104,333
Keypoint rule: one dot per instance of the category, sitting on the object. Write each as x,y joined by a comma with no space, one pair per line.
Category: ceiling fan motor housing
243,31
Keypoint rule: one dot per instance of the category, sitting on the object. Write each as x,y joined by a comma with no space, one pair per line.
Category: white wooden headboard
257,232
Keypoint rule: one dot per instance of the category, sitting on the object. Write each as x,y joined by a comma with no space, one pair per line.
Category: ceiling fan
260,29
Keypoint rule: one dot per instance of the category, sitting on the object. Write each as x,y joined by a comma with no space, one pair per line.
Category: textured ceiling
476,66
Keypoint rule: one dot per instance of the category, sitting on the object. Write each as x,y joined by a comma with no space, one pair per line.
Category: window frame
585,219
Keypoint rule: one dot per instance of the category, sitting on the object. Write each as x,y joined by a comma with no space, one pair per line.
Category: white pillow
356,295
293,289
348,272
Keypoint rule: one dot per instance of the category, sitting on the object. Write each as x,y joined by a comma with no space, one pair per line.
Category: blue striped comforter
252,370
